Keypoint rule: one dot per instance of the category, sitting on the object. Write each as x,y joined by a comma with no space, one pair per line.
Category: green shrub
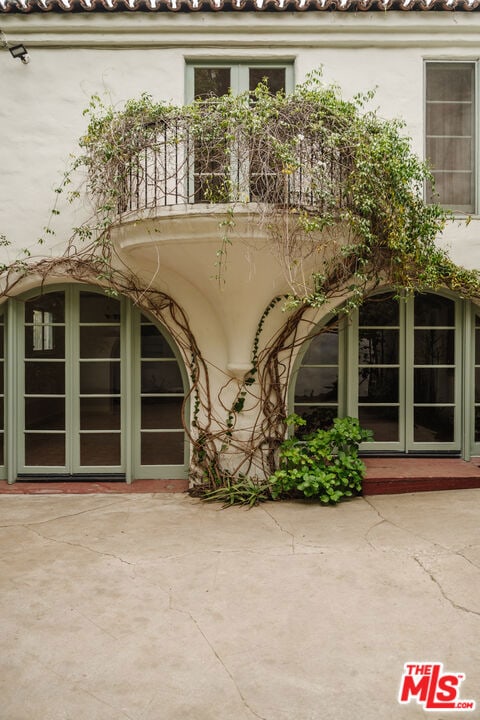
324,465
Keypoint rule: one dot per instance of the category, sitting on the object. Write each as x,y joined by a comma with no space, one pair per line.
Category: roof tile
29,6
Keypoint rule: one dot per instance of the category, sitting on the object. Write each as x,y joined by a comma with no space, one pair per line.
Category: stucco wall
118,56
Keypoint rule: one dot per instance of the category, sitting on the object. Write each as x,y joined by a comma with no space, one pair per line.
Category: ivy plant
324,464
339,194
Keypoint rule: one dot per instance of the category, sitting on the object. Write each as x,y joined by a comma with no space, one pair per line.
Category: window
450,133
317,382
399,370
245,178
379,367
98,389
216,79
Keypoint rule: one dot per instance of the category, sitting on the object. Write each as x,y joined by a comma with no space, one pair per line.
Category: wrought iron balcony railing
173,163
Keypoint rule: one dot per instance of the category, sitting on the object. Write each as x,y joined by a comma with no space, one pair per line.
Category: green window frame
410,372
240,77
137,408
210,179
450,133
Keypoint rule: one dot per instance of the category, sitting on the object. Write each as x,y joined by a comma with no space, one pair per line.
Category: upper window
207,80
222,171
450,133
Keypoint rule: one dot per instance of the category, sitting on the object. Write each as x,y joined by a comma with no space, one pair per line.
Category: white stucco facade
119,55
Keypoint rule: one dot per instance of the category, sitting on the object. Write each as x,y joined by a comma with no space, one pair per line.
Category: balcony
176,162
181,186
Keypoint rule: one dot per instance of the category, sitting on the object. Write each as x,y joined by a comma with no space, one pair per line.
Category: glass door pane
99,381
434,371
44,382
379,368
316,386
162,439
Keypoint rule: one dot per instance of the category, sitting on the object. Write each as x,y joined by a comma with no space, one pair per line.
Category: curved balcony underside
176,249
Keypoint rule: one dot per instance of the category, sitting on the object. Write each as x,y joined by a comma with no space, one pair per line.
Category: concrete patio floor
159,607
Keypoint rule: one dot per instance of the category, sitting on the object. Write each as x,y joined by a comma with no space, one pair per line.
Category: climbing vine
337,190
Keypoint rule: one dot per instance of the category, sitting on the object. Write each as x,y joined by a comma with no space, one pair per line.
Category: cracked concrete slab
156,607
456,578
427,516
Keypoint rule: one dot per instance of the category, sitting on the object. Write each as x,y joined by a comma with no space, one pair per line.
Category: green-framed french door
71,381
399,367
318,388
99,388
209,78
158,443
409,373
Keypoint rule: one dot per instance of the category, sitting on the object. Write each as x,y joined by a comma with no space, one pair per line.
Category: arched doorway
409,372
100,389
397,366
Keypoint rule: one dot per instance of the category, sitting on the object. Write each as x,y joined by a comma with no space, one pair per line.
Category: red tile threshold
90,488
387,476
384,476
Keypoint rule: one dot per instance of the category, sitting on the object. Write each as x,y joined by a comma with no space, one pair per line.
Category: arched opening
397,365
318,396
99,389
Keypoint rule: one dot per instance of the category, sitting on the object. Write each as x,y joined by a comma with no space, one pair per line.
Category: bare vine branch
338,191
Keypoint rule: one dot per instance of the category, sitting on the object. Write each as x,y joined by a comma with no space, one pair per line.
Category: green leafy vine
337,190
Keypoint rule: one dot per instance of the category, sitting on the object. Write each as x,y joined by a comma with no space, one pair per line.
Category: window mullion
351,368
14,370
240,78
72,378
463,358
289,79
129,372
